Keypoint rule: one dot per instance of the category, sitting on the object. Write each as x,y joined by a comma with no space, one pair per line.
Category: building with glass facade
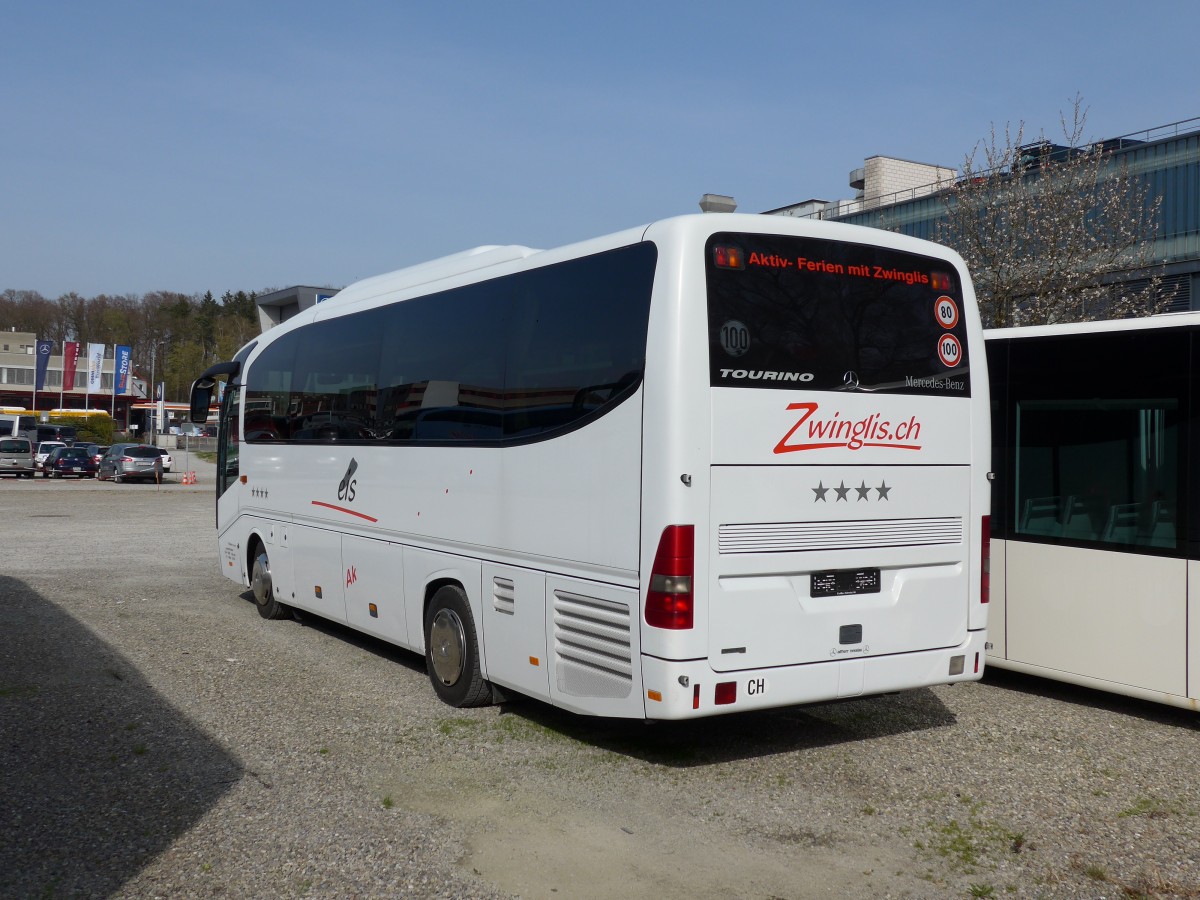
910,198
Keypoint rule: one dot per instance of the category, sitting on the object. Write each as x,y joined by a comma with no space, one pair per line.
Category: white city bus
716,463
1095,554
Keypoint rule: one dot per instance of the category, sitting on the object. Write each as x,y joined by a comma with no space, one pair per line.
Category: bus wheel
263,587
452,650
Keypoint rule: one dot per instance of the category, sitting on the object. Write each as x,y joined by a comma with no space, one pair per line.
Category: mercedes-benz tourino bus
716,463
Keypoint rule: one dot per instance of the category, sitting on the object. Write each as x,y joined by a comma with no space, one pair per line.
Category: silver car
127,462
16,457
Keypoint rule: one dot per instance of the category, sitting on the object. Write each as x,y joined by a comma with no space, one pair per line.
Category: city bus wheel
452,650
263,586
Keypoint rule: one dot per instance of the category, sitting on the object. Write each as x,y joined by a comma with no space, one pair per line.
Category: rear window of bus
798,313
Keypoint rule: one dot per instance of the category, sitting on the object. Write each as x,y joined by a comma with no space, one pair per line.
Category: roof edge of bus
434,270
818,228
1183,318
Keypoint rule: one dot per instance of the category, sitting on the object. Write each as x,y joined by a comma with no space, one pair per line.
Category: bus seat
1162,526
1040,516
1121,527
1077,521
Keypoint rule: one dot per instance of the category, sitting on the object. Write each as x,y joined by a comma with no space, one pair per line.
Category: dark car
69,461
126,462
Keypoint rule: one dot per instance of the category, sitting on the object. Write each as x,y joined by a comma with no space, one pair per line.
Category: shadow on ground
1036,686
706,741
98,773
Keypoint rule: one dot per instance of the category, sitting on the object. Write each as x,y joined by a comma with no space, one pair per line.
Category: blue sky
255,145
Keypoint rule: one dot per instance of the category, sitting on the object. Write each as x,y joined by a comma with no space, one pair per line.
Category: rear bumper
142,474
796,685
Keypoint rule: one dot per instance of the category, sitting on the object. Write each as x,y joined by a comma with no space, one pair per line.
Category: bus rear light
728,258
669,600
985,567
696,697
940,281
726,693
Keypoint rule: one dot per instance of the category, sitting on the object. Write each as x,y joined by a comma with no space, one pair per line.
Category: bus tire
262,585
452,650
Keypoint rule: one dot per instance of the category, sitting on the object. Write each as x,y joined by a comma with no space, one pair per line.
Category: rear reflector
726,693
985,551
669,600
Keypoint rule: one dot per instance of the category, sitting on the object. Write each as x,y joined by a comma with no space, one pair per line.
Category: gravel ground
159,739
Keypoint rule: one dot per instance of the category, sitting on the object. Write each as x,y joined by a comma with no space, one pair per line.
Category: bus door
228,459
841,451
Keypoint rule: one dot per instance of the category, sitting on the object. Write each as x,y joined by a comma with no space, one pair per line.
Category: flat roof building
1166,159
279,306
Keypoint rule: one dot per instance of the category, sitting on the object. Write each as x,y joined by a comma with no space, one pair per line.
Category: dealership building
18,369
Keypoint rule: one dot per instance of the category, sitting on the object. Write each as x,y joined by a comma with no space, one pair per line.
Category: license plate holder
844,582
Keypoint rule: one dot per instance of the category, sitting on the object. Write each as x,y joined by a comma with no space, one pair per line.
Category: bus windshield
791,312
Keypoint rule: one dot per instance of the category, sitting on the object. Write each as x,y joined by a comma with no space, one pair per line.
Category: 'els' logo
347,488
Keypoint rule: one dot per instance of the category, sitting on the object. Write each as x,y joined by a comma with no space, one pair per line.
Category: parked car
63,434
166,458
16,457
64,461
124,462
43,450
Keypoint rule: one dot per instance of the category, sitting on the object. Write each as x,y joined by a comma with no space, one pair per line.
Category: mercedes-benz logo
850,380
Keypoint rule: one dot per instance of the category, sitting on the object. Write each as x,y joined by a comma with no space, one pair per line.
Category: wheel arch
435,584
466,575
254,540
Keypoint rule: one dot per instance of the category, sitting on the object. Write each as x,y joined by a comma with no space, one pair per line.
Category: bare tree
1054,232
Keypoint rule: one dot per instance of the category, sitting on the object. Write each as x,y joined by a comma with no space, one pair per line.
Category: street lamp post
154,398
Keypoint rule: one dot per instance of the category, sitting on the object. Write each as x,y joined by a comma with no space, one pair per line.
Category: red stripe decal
348,512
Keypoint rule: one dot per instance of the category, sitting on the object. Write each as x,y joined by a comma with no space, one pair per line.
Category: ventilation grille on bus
504,598
592,650
795,537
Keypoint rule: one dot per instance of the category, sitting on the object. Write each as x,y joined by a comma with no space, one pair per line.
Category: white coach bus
1095,555
716,463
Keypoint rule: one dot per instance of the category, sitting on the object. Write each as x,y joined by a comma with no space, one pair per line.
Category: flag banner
95,361
121,369
70,361
43,360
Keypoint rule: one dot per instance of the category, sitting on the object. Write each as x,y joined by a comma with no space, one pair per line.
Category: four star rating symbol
843,492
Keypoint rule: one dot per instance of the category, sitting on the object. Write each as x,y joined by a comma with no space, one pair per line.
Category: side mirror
202,389
201,399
